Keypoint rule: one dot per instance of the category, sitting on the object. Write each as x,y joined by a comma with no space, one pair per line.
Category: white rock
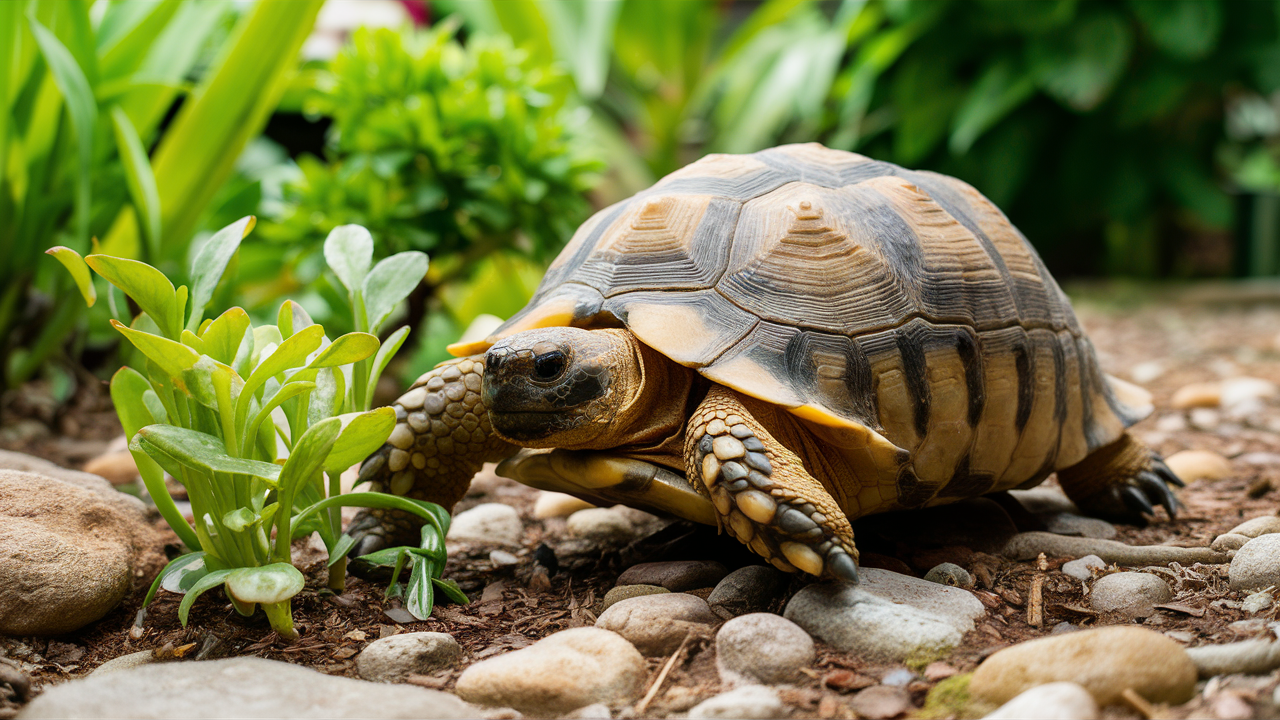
1052,701
1242,397
127,662
554,504
1257,602
1197,395
243,687
1193,465
853,620
558,674
1131,594
1082,569
957,606
1256,566
502,558
762,648
657,624
490,523
392,659
1143,373
1171,423
1206,419
749,701
603,525
1254,527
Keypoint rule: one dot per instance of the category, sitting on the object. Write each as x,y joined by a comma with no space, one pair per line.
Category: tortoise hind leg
442,438
1124,480
762,493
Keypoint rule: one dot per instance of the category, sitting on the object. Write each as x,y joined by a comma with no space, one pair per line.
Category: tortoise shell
856,294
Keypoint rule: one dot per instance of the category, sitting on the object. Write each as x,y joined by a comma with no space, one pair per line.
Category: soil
1165,340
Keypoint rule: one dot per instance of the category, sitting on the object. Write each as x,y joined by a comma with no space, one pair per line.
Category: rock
1143,373
1027,545
68,551
1171,423
1197,395
1252,657
853,620
1257,602
554,505
1131,594
601,525
1078,525
1204,419
901,677
598,711
1245,397
750,701
1051,701
26,463
753,588
881,702
763,648
957,606
949,574
392,659
657,624
626,592
1045,501
502,558
1255,527
1256,566
118,468
243,687
489,523
676,576
939,670
1193,465
558,674
1105,661
1259,458
1227,542
127,662
1082,569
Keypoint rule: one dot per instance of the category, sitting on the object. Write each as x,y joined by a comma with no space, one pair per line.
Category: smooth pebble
392,659
753,588
853,620
601,525
676,575
1131,594
489,524
1082,569
1256,565
657,624
1051,701
762,648
747,702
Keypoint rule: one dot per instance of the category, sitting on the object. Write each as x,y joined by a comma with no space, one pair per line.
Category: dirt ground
1164,340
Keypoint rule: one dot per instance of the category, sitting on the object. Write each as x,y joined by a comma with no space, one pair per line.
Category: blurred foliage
85,89
1094,125
468,152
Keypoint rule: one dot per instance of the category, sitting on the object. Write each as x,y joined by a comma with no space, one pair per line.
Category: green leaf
452,590
239,519
208,582
202,452
362,433
289,390
75,265
1000,89
172,357
183,565
421,595
291,318
326,401
1185,29
437,517
1081,65
349,251
211,263
340,549
350,348
225,337
81,106
267,584
389,283
291,353
146,285
380,361
139,178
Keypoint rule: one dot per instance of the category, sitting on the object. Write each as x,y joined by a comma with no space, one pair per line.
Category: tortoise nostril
549,366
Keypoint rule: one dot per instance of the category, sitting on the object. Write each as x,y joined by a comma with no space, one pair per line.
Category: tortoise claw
1156,489
1165,473
1136,502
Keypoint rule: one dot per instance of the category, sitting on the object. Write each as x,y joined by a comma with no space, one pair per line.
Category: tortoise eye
549,366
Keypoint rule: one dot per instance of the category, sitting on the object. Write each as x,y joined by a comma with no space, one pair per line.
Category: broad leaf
291,318
267,584
75,265
146,285
184,572
291,389
208,582
224,337
350,348
172,357
389,283
362,433
239,519
349,250
387,351
291,353
201,451
211,263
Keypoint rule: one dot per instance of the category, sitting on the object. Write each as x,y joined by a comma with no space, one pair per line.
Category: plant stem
338,570
280,615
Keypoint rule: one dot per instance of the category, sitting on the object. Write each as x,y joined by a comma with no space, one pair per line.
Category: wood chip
1139,703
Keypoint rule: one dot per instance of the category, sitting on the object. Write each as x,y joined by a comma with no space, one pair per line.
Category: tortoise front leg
441,439
762,492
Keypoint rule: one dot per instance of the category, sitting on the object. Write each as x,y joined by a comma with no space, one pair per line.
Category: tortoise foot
375,529
1124,481
763,495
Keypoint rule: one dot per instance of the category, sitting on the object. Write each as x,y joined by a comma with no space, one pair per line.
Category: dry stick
1035,600
662,675
1139,703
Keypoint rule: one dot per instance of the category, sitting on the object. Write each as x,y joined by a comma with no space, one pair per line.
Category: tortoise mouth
527,426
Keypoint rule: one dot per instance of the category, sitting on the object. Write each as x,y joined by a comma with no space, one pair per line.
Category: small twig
662,676
1139,703
1035,598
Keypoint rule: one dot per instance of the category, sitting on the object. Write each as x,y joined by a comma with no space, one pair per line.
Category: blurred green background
1126,138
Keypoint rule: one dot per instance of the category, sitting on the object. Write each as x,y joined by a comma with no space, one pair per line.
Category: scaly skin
1121,480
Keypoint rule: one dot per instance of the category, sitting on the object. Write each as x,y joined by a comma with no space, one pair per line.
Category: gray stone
392,659
1252,657
853,620
626,592
602,525
901,677
1131,594
748,702
489,524
245,687
1051,701
598,711
957,606
1045,501
68,551
1078,526
762,648
127,662
657,624
750,589
1227,542
676,576
1256,566
1082,569
881,702
1255,527
949,574
559,674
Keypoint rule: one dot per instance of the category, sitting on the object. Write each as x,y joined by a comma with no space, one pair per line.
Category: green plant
215,395
84,88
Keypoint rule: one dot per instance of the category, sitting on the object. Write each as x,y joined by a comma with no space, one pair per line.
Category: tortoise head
560,387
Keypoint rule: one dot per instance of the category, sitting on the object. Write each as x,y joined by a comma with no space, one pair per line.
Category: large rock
1131,594
559,674
1256,565
657,623
957,606
1105,661
853,620
245,687
68,550
392,659
675,575
489,524
762,648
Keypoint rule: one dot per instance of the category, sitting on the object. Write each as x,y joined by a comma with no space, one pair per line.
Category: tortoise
779,343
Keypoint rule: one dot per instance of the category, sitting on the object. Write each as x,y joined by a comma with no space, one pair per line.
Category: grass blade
138,176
